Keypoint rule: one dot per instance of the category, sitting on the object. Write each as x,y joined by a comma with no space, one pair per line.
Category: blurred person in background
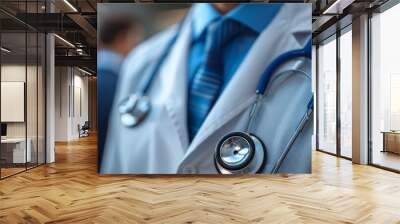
117,37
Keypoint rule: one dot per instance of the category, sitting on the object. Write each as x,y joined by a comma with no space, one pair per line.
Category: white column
360,90
50,110
50,93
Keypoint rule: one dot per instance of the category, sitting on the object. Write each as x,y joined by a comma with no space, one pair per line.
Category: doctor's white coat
160,144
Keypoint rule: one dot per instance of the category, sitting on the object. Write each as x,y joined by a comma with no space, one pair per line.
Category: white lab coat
160,144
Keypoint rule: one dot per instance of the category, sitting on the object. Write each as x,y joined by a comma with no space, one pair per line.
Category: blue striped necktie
208,79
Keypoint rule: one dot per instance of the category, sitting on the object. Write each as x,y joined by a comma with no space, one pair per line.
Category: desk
391,141
13,150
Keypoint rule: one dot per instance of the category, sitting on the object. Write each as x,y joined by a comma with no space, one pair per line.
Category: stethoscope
237,152
137,106
243,152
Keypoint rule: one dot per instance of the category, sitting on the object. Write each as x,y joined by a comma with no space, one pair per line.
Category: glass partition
32,96
14,153
327,96
32,87
22,77
385,89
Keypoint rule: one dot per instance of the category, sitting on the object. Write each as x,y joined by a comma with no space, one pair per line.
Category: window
385,89
327,96
346,93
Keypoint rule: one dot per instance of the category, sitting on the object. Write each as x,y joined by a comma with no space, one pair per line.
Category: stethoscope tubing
164,55
287,56
307,116
262,86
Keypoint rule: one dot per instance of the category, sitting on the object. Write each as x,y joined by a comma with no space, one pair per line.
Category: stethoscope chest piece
134,110
239,153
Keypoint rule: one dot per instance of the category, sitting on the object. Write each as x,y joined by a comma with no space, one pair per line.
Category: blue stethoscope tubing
287,56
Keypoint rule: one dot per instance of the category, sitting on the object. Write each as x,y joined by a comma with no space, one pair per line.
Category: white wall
13,101
14,73
71,102
17,73
61,103
80,105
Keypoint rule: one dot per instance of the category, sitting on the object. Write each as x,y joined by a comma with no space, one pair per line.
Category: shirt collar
256,16
203,15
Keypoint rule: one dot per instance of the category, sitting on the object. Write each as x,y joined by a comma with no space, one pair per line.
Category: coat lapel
240,92
172,84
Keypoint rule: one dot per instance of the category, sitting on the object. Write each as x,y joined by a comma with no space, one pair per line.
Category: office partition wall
385,89
22,77
14,153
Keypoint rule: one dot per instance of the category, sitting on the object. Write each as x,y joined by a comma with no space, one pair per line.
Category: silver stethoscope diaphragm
239,153
134,110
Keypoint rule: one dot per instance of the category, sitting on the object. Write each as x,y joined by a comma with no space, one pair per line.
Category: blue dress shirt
254,16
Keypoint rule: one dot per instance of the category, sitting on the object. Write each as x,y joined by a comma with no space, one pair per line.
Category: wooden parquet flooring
70,191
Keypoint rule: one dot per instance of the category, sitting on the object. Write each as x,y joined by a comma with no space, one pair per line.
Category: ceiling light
84,71
5,50
65,41
338,6
70,5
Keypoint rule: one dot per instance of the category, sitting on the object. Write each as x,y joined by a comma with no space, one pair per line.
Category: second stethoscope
237,152
137,106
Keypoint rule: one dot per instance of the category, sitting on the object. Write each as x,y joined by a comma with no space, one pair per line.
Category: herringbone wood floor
70,191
